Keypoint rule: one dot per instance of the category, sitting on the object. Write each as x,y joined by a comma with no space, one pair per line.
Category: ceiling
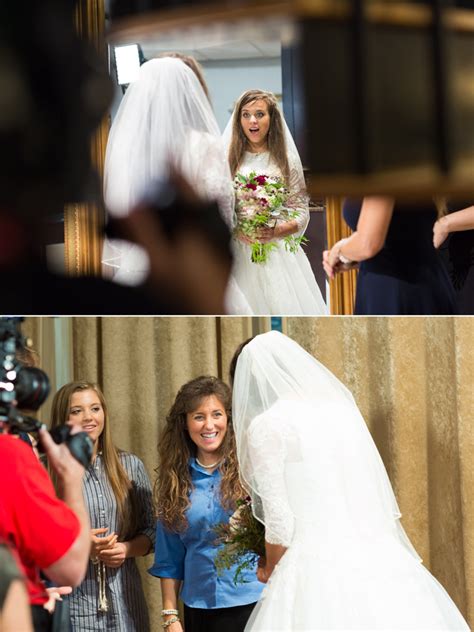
219,41
232,49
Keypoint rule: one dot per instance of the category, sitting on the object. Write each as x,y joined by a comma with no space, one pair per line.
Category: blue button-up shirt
189,555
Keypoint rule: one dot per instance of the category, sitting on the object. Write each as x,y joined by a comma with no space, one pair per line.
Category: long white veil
284,397
164,121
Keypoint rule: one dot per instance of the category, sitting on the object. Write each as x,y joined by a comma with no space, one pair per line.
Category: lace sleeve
267,451
298,199
209,173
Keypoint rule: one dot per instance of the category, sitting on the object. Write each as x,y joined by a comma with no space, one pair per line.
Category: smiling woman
118,497
196,489
207,427
87,411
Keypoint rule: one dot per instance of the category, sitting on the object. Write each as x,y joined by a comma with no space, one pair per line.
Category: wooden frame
129,29
417,182
83,223
342,288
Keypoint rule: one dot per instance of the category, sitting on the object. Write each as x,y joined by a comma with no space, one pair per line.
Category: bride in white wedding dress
165,121
259,142
337,555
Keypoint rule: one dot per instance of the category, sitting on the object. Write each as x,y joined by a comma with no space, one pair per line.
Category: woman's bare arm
169,595
369,237
454,222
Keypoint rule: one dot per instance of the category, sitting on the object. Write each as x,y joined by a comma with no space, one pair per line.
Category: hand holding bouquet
242,540
261,201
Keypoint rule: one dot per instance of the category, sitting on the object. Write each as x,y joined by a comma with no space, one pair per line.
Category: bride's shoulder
279,415
204,140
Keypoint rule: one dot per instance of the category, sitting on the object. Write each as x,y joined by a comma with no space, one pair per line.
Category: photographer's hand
54,594
69,471
71,568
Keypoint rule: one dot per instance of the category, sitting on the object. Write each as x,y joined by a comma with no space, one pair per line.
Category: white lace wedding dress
285,283
319,486
331,577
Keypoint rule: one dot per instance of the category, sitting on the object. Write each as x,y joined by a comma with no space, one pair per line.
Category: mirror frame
84,222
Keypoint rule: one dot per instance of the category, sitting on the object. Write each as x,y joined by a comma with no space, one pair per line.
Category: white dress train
333,576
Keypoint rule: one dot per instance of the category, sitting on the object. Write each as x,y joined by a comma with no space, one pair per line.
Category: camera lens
32,388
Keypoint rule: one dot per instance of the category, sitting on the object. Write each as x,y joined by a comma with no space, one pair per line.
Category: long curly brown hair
276,135
173,484
118,478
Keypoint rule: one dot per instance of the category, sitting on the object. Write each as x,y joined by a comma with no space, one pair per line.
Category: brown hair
173,483
235,357
195,67
276,135
28,357
116,474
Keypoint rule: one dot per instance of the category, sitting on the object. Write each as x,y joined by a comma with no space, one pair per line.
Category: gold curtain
411,377
413,381
342,288
83,223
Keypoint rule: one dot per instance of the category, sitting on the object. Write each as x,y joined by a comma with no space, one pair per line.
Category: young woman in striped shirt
118,496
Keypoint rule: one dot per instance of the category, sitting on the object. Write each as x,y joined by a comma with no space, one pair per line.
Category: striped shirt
127,609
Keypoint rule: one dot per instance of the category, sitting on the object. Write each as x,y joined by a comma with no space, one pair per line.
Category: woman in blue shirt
196,489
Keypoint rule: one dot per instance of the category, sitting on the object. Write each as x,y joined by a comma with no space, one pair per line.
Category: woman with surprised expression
259,142
196,489
118,496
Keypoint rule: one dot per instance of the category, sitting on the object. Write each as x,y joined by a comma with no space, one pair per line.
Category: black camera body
25,387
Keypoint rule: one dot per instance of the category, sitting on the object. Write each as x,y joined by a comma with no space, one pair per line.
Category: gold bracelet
167,624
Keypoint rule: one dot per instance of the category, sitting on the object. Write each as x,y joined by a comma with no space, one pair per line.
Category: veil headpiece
164,121
291,149
283,396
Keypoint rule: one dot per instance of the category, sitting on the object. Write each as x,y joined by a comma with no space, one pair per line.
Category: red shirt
33,520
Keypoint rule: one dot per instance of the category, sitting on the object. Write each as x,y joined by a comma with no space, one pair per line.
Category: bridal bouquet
243,540
260,203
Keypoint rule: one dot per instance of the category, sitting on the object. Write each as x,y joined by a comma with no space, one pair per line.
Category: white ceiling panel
233,50
221,42
268,49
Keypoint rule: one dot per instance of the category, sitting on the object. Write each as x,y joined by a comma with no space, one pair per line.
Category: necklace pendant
207,467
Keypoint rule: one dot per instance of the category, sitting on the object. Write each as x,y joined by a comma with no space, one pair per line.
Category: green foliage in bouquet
261,203
292,243
242,541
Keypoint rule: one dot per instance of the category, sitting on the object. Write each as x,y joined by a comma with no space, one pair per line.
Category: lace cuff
298,199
